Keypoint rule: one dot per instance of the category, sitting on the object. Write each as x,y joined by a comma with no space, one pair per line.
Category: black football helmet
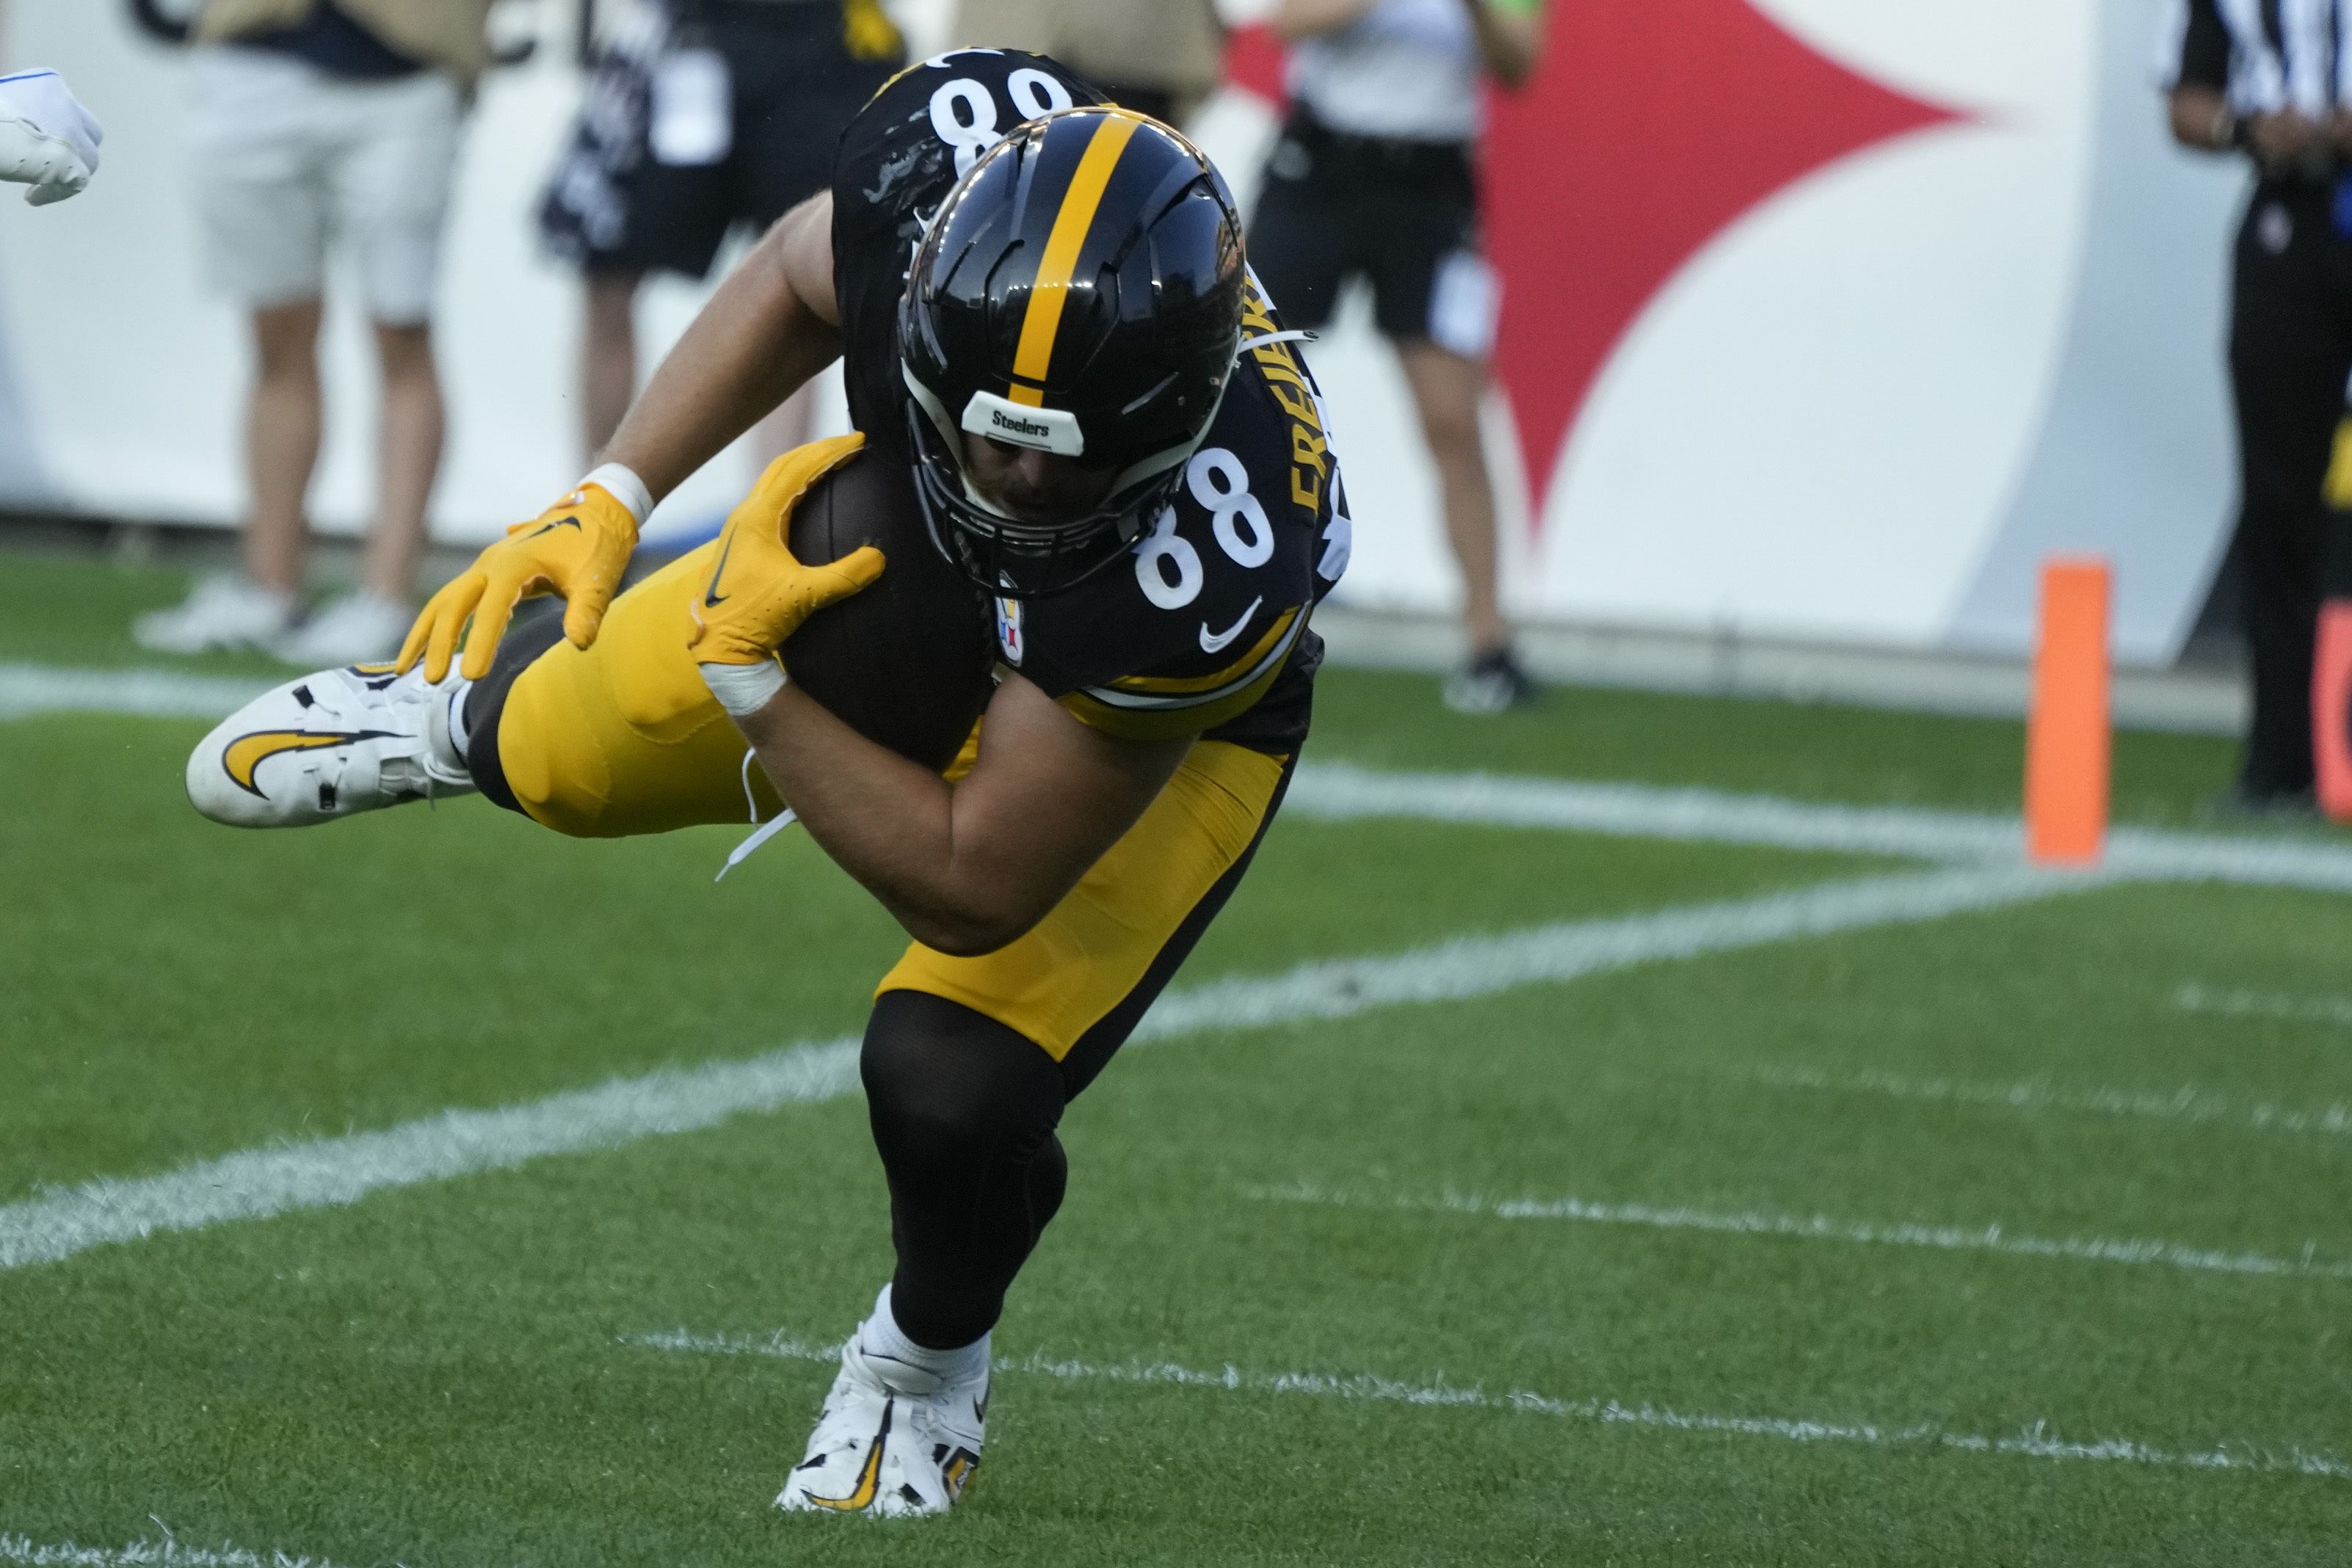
1079,292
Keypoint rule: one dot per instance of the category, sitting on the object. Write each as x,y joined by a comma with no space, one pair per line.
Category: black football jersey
1204,628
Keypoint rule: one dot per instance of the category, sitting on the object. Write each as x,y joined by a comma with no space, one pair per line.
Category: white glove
47,140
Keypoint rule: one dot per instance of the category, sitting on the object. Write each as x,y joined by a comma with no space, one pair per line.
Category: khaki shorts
287,159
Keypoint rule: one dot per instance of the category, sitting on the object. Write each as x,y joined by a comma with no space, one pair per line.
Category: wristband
744,688
621,482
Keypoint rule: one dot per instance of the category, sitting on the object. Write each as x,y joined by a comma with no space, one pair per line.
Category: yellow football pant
624,739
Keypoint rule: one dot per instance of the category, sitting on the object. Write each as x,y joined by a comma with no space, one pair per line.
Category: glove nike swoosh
712,597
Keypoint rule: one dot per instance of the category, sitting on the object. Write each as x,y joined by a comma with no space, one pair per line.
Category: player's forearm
752,346
892,825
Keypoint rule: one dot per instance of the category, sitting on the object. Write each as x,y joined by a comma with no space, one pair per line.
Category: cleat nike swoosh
711,598
862,1494
1217,642
247,753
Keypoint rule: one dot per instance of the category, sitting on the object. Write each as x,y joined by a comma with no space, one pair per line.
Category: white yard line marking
27,689
2195,998
333,1172
1470,967
2188,1103
1342,792
165,1553
1820,1228
2036,1441
258,1183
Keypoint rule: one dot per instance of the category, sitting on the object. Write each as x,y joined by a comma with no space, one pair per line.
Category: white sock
881,1335
458,738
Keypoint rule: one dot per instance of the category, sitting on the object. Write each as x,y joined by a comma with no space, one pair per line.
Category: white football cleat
328,745
893,1440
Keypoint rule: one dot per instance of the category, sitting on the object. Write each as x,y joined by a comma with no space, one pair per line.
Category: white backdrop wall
1860,410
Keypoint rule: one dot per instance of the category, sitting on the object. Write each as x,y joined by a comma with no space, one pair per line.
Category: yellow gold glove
577,548
758,591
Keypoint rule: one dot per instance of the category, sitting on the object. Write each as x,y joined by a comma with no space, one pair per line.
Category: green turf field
2016,1236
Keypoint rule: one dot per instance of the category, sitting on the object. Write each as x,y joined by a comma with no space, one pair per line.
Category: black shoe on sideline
1491,683
2249,802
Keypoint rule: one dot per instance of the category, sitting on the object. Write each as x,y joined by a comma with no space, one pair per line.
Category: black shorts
795,85
1404,214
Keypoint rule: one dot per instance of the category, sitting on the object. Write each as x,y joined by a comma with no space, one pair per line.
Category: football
906,663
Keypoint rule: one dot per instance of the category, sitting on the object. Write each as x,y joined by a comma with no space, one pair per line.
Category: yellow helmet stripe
1052,289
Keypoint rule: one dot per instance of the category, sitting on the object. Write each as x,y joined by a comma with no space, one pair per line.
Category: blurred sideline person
319,122
1160,57
1044,722
703,114
1375,175
48,141
2260,81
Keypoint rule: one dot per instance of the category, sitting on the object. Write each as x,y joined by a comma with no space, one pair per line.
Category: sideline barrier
2068,737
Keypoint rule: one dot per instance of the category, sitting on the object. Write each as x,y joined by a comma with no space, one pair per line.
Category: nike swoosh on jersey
1217,642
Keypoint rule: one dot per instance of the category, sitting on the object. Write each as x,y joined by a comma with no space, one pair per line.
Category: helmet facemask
1028,560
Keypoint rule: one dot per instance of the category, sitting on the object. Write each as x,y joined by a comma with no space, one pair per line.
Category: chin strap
1258,343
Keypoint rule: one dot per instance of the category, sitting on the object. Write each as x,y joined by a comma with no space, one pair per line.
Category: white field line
1341,792
329,1173
332,1172
1470,967
2036,1441
27,688
2195,998
2188,1103
165,1553
1820,1228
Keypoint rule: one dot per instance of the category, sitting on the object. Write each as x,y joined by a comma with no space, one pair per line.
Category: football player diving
1028,654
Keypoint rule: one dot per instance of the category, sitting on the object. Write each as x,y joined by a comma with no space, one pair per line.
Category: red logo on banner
1646,132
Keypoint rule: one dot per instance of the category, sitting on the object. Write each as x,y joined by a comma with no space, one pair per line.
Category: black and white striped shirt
2265,55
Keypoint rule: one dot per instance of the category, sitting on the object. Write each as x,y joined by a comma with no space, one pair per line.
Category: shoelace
768,830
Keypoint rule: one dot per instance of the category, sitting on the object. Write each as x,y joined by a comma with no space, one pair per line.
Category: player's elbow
972,929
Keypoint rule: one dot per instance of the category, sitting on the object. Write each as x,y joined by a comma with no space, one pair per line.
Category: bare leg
281,443
1446,392
408,457
608,358
785,426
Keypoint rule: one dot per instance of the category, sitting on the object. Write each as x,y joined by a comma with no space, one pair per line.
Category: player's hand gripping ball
758,592
577,548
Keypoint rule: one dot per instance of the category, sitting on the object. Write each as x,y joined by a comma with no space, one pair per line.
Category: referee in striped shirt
2272,80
